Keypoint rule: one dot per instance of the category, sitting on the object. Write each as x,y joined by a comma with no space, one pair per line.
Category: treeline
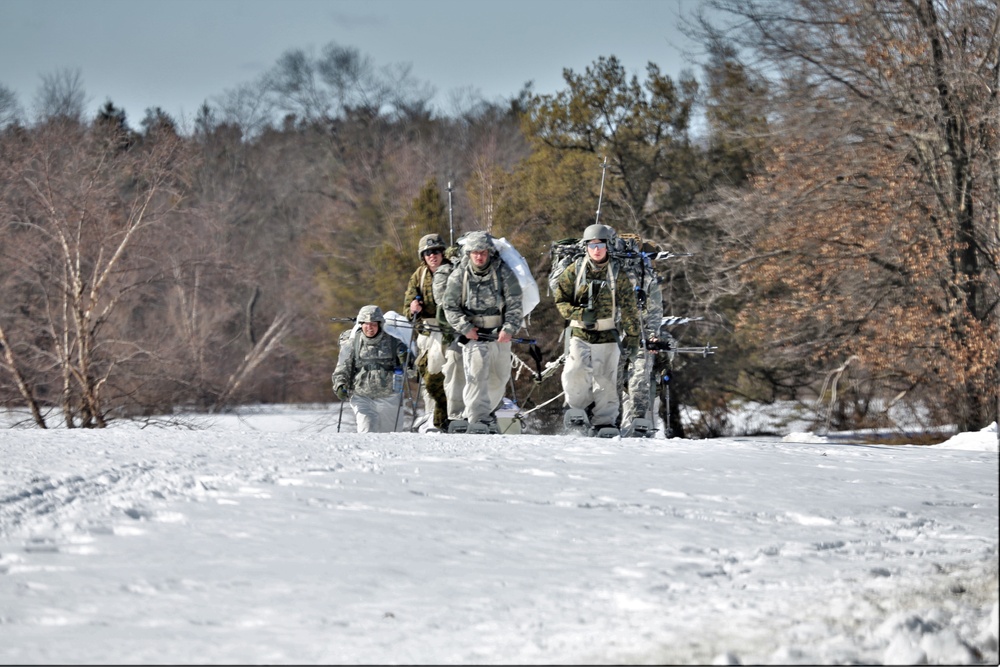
830,186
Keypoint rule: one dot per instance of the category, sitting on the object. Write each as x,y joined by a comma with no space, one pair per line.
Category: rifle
665,345
489,338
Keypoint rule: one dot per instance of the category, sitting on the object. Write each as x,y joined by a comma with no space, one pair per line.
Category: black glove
589,318
341,392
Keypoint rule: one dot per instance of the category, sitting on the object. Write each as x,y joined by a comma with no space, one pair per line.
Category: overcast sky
176,54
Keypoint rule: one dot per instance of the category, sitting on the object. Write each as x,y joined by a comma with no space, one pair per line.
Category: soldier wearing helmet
421,308
483,303
595,296
369,359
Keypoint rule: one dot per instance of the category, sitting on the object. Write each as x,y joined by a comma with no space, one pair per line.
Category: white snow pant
377,415
487,371
454,382
590,375
430,344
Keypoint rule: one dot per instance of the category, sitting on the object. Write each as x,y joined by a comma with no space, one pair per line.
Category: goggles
597,245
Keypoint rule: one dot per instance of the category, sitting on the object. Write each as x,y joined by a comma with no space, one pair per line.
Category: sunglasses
597,245
425,253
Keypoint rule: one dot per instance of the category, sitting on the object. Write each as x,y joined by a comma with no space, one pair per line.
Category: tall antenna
600,198
451,225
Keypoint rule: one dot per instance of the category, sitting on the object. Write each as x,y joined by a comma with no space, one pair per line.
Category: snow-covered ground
269,537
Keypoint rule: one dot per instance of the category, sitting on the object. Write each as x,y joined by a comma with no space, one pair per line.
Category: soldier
421,308
483,305
634,386
595,295
369,362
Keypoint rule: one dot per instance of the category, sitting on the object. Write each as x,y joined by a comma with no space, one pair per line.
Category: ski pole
341,417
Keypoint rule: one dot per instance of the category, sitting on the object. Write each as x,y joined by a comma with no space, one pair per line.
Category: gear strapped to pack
378,363
483,321
604,323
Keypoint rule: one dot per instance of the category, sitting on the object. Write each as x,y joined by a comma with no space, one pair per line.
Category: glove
632,347
589,318
341,392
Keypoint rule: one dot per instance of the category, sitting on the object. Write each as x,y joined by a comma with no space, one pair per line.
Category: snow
270,537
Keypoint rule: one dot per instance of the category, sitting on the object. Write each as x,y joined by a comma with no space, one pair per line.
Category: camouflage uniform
488,299
430,356
365,367
634,384
590,374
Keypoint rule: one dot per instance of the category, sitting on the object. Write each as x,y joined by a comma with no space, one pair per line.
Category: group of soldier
465,306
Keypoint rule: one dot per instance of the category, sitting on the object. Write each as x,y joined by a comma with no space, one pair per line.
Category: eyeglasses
425,253
597,245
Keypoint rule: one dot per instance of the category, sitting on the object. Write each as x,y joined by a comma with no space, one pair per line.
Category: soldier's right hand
341,392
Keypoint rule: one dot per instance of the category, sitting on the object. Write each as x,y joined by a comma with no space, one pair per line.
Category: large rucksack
563,253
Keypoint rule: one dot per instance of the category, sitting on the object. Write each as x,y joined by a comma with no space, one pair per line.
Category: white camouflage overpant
487,371
590,375
637,396
454,382
377,415
430,344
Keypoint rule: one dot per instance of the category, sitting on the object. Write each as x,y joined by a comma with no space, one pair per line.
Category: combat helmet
474,241
430,242
600,232
370,314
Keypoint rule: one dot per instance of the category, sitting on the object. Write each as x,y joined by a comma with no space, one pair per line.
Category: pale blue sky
175,54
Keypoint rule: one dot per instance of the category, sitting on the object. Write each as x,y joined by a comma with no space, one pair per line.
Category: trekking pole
413,402
406,365
451,224
341,417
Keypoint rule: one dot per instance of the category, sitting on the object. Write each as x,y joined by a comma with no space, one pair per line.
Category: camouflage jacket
614,300
440,285
366,365
422,285
493,294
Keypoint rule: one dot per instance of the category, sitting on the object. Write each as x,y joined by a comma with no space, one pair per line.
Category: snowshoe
478,428
458,426
605,431
641,428
576,420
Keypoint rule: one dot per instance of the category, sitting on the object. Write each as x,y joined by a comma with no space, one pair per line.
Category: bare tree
77,208
61,95
10,109
886,120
